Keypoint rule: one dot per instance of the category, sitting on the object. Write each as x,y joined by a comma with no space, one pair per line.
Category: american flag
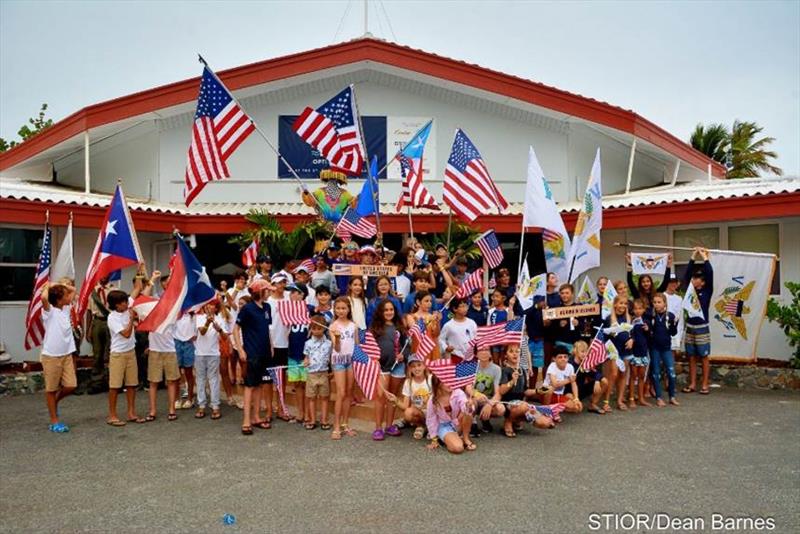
34,327
455,372
597,353
368,344
468,188
277,375
415,194
425,344
250,254
734,307
471,283
309,265
293,312
353,223
366,371
333,130
490,248
553,411
220,126
505,333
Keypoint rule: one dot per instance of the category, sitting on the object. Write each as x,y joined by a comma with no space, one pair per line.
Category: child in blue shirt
640,360
617,327
478,310
662,325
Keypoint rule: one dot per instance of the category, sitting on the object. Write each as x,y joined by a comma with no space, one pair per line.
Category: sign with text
343,269
566,312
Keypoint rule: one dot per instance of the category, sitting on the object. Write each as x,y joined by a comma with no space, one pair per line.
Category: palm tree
711,140
748,156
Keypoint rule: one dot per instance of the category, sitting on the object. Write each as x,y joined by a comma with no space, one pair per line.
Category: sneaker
487,427
378,435
399,423
393,431
187,404
59,428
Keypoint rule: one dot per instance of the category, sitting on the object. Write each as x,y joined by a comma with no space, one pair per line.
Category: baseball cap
279,277
263,259
301,269
257,286
300,288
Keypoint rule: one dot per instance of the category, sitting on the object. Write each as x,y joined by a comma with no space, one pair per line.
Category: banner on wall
399,131
308,162
742,284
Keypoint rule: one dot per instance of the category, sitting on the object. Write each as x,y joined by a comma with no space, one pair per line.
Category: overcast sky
675,63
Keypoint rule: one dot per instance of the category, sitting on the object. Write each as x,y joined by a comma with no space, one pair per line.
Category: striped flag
490,248
468,188
597,353
553,411
470,284
333,130
353,223
293,312
277,376
366,371
250,254
455,372
415,194
143,305
425,344
34,326
219,127
308,265
368,344
505,333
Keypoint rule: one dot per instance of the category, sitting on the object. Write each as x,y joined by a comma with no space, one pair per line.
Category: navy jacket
662,327
704,295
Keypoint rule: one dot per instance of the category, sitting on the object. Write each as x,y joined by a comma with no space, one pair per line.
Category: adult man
97,333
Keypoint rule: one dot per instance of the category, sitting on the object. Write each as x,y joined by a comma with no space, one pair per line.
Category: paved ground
734,453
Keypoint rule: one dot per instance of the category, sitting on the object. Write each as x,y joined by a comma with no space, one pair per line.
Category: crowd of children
239,345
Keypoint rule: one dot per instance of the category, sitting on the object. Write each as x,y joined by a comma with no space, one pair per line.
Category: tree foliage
277,242
788,318
34,126
462,237
739,149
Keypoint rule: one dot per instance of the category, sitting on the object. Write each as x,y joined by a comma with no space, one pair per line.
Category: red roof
365,49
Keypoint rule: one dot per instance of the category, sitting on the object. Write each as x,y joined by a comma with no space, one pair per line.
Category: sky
675,63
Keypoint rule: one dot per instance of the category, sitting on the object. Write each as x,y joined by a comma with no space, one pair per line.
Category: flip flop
247,430
596,410
172,417
149,418
336,435
263,425
199,414
310,426
137,420
326,426
470,446
687,389
509,434
215,414
115,422
705,391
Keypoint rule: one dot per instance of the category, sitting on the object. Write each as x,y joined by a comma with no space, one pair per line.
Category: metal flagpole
521,244
689,249
410,224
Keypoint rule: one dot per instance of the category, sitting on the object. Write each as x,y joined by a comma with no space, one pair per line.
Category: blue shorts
399,370
444,429
697,341
185,352
536,348
640,361
341,362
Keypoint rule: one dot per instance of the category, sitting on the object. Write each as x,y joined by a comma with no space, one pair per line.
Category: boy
317,358
457,333
162,360
698,335
486,391
675,307
211,329
252,338
323,306
122,369
301,276
560,375
591,384
534,328
185,335
279,335
513,390
421,281
566,331
296,374
57,348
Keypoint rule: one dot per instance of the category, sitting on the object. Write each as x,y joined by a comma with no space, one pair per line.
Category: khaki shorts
161,365
122,368
58,371
318,385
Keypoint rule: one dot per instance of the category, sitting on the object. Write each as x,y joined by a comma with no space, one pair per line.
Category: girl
478,310
449,414
57,347
645,289
504,283
322,276
662,325
499,313
390,334
423,302
591,384
210,329
296,374
416,392
640,360
383,291
344,331
615,370
358,302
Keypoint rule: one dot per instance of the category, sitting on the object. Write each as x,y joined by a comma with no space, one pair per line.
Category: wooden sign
566,312
344,269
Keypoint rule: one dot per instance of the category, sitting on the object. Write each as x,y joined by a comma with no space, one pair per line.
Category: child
345,338
185,336
698,336
422,284
58,345
383,291
317,358
485,392
675,307
617,371
358,303
513,390
661,326
226,349
457,333
561,375
566,331
534,328
645,289
122,362
421,314
323,277
296,373
449,414
416,392
323,306
640,360
279,336
211,327
591,384
162,364
390,334
477,308
499,313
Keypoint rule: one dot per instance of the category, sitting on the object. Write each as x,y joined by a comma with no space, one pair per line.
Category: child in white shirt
57,348
560,375
122,367
211,326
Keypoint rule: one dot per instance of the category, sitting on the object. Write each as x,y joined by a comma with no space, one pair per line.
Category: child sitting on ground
514,391
561,377
592,384
485,392
58,345
415,394
122,368
317,360
449,417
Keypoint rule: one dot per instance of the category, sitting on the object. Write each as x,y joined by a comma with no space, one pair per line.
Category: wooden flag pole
690,249
410,223
449,226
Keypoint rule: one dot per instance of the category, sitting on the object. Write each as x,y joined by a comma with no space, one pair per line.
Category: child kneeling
449,417
514,390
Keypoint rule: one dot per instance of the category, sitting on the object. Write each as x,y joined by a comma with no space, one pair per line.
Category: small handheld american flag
368,344
490,248
366,371
277,376
425,344
505,333
597,353
455,372
553,411
250,254
471,283
34,326
353,223
293,312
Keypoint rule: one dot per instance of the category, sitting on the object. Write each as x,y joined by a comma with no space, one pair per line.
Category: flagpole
367,161
485,279
521,245
410,224
394,158
449,226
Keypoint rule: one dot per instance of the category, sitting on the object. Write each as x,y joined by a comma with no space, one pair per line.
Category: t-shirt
402,285
487,379
417,392
208,344
561,374
163,342
298,334
518,391
478,315
185,328
497,316
58,338
254,321
347,343
117,322
318,352
278,332
458,334
324,278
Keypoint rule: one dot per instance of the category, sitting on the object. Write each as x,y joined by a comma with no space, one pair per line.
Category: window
758,238
19,253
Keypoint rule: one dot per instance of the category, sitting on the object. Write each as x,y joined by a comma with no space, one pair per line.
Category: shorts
446,428
58,371
640,361
162,365
536,348
585,390
318,385
184,350
558,397
698,340
399,370
296,372
256,369
341,362
280,356
122,369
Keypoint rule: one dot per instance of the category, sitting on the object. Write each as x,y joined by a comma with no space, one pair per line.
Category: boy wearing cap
279,334
301,276
297,374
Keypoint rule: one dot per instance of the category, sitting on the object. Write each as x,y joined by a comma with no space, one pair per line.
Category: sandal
149,418
687,389
199,414
215,414
470,446
705,391
137,420
509,433
172,417
349,431
310,426
607,407
595,409
419,432
115,422
247,430
621,407
336,435
287,418
325,426
263,425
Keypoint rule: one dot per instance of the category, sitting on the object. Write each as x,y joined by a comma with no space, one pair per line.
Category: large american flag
454,371
425,344
333,129
34,327
470,284
505,333
353,223
220,126
366,371
490,248
293,312
597,353
468,188
250,254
